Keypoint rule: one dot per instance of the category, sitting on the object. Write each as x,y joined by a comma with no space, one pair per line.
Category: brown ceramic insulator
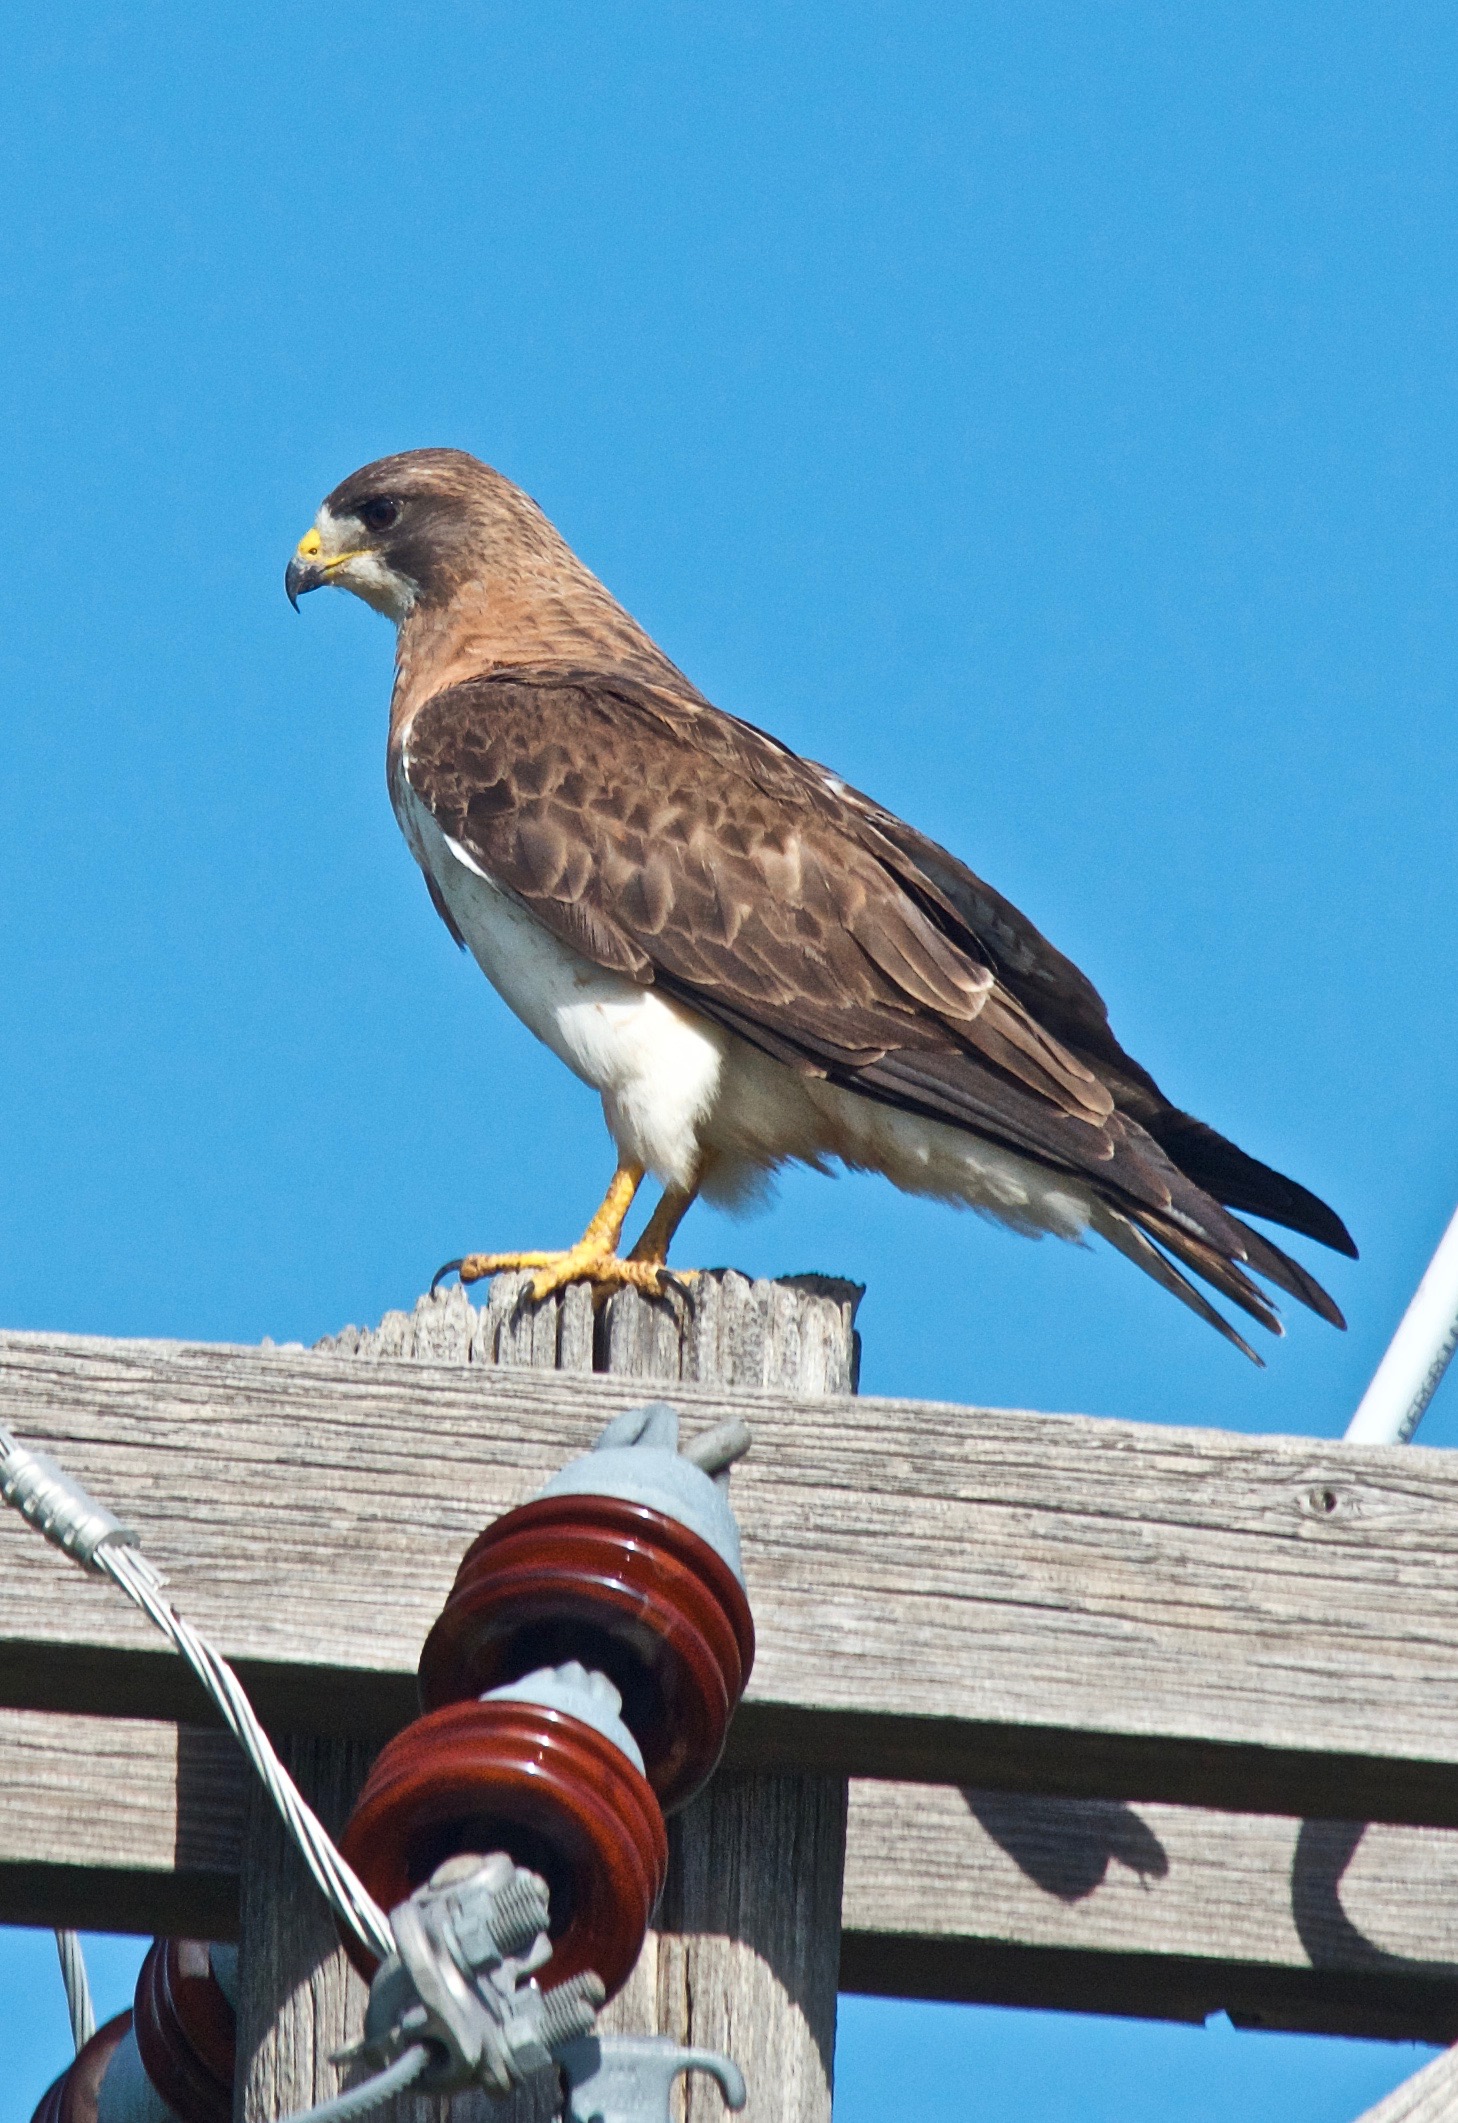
73,2097
538,1784
185,2031
623,1588
49,2109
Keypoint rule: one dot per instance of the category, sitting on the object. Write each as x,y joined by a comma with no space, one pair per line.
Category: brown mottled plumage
577,804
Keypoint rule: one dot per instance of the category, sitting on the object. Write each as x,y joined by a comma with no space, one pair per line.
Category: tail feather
1288,1275
1214,1266
1136,1246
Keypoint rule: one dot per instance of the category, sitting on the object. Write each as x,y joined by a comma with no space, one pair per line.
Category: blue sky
1046,414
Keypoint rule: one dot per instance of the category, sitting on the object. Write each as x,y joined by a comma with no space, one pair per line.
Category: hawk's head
412,529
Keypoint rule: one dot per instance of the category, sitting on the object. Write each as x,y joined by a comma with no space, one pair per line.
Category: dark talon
448,1268
522,1299
677,1282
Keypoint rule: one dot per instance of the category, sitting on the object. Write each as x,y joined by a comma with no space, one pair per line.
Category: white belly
657,1067
766,1114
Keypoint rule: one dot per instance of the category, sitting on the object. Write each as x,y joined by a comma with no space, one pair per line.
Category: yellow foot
595,1258
582,1263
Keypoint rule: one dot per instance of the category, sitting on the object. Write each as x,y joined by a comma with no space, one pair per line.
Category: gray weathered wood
796,1335
1429,2096
1061,1604
298,1998
746,1953
123,1824
1159,1911
752,1950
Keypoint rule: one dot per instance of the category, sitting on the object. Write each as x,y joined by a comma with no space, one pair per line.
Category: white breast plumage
656,1066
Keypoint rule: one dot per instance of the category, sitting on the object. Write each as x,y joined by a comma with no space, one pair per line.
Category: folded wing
682,847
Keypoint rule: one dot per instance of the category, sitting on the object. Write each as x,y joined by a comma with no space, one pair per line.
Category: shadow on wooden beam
1395,2008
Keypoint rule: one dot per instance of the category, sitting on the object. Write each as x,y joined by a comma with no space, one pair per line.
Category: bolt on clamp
463,1984
625,1570
462,1981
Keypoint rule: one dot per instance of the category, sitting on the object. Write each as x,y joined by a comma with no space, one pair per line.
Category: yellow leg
594,1259
658,1232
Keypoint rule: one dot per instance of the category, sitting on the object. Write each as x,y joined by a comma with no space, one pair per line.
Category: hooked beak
305,571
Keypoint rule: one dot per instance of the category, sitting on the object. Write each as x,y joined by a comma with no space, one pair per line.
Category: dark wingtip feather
1242,1182
1328,1228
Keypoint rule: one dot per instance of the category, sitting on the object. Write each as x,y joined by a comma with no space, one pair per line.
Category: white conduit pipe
1387,1414
1417,1356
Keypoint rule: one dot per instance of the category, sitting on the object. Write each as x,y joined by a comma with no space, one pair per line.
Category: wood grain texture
796,1335
751,1950
745,1954
745,1957
1152,1911
1429,2096
1034,1602
119,1824
1157,1911
298,1998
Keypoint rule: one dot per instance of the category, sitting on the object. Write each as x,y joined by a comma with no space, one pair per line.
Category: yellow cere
308,545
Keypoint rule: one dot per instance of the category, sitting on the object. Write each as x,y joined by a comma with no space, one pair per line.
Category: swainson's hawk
750,961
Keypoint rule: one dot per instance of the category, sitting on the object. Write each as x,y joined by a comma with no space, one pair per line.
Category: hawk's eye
380,514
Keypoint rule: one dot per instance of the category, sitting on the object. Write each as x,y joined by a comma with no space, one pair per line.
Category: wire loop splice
56,1504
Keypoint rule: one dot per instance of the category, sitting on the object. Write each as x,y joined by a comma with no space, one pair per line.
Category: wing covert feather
669,857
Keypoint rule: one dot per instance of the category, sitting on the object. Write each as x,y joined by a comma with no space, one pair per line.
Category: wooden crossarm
1087,1905
1049,1603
